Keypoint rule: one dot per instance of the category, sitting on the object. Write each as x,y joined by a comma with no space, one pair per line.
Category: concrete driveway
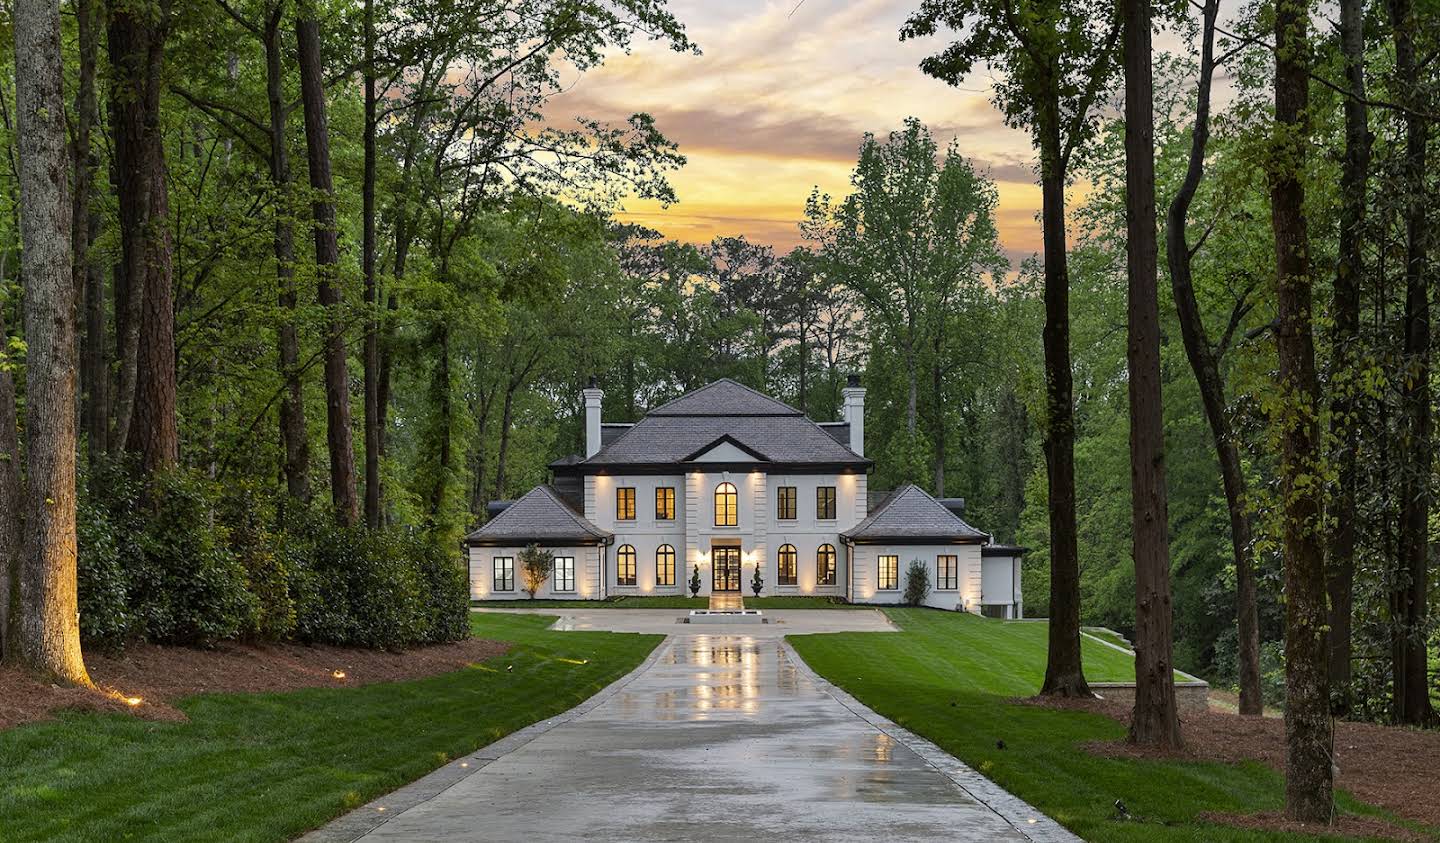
716,737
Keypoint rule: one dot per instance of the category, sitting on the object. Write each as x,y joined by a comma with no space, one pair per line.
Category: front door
725,572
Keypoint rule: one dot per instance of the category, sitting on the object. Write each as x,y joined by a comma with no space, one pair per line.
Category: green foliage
917,583
757,582
695,581
535,567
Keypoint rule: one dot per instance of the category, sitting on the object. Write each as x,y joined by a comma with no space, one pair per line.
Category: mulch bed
1394,768
158,676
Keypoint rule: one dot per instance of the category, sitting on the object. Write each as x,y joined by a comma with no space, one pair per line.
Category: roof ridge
789,410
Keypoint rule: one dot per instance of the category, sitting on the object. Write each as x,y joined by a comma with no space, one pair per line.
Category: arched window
727,506
787,558
625,565
825,565
664,565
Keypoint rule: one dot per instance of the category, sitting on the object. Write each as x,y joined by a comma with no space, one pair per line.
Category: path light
133,701
339,674
382,809
464,763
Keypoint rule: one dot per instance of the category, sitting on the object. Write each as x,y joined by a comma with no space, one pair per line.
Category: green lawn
951,677
268,767
670,602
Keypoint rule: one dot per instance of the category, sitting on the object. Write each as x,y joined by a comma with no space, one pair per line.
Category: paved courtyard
717,737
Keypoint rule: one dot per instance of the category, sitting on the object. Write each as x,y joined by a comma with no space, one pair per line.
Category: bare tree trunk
145,412
1206,366
11,517
1344,407
1409,587
937,388
503,453
367,268
327,259
445,400
1309,776
294,433
84,225
1155,720
49,640
1064,671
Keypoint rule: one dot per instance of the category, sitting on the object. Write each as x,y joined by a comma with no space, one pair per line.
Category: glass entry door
725,569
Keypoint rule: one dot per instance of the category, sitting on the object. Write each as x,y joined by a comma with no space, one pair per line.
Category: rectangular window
785,508
889,573
564,573
825,503
625,503
665,503
504,573
947,573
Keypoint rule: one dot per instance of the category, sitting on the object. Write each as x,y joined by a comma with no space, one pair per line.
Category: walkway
716,737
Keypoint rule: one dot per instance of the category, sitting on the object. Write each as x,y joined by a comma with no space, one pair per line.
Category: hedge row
179,563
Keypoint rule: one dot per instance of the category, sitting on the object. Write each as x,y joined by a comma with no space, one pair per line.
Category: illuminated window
947,573
825,503
625,503
665,565
889,573
785,508
727,512
564,573
787,559
625,565
825,565
665,503
504,573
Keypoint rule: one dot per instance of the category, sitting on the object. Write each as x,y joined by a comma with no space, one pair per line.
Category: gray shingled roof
677,430
539,516
911,513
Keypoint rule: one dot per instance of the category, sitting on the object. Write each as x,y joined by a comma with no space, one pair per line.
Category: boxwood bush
178,562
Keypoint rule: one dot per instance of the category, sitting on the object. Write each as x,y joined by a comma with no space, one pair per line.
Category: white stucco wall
966,594
1000,583
482,573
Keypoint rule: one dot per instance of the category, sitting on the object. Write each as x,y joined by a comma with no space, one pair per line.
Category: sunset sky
778,104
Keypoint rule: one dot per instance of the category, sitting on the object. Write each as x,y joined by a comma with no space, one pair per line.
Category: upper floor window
665,565
625,503
889,579
787,557
625,565
825,565
825,503
504,573
564,573
665,503
727,506
947,573
785,508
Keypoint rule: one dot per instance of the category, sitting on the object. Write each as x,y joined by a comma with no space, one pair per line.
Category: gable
726,449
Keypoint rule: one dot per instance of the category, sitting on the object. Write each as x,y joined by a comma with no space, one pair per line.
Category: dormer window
727,506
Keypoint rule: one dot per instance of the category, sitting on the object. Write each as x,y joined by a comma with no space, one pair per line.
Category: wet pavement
718,737
778,622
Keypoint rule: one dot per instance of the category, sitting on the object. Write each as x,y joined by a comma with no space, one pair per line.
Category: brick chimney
854,413
593,395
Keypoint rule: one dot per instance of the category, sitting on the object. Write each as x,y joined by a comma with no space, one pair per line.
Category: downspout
849,569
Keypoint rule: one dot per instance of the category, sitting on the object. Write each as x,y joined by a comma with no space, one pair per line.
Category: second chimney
593,396
854,413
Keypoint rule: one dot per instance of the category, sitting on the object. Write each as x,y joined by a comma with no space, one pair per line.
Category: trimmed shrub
917,583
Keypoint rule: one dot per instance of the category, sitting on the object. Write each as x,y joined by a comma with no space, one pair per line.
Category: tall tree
12,522
146,420
1309,776
49,638
1410,582
1205,362
367,269
84,226
1057,57
327,261
1155,720
1345,418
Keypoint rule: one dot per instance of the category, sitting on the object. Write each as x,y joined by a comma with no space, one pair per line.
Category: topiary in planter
695,582
757,582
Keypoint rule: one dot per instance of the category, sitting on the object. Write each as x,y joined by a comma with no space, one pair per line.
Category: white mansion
725,479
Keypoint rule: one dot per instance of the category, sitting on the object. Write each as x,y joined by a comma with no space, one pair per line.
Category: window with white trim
504,567
889,574
564,573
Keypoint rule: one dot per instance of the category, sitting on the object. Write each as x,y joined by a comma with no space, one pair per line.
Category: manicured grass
952,677
268,767
670,602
